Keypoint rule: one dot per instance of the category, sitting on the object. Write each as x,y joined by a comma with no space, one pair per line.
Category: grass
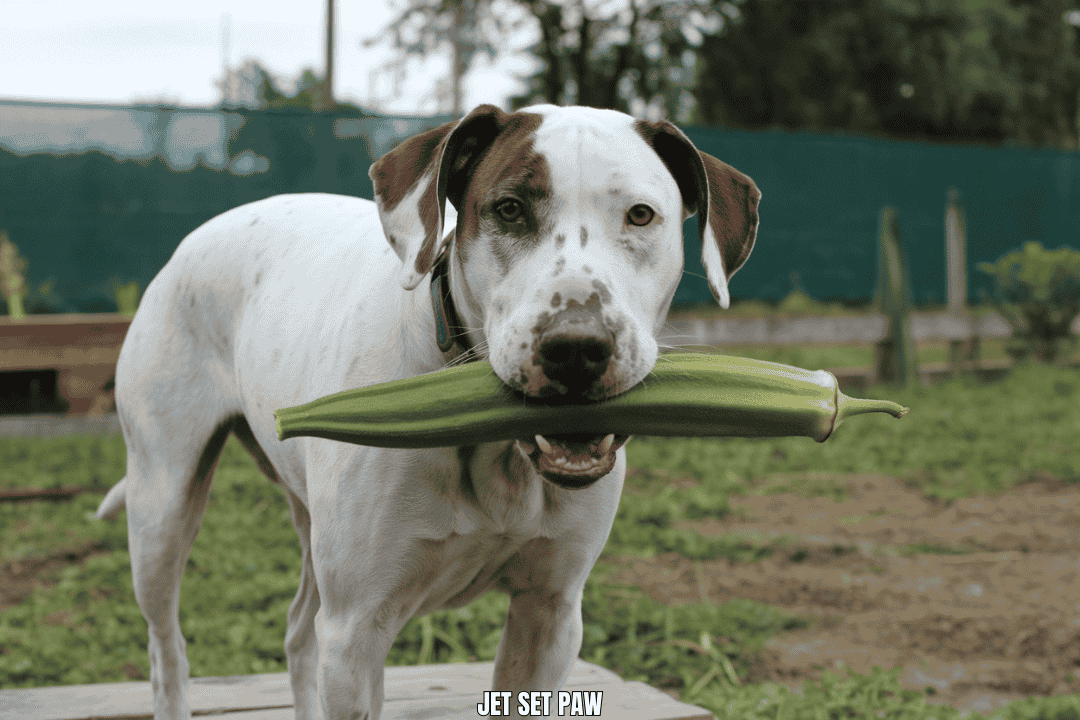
961,438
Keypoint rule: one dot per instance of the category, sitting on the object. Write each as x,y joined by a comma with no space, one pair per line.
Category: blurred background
124,126
920,177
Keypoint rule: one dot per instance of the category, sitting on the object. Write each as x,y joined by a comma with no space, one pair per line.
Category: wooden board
446,692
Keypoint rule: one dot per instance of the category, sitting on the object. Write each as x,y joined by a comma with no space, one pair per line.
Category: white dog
560,270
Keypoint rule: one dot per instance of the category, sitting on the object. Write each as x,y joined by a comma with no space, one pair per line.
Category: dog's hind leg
301,645
169,468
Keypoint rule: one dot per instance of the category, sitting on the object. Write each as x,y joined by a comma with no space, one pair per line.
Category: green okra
686,395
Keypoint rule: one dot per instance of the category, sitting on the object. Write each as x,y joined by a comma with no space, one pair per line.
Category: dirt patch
978,599
19,578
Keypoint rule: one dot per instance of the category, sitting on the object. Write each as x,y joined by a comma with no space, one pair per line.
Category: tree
986,70
633,55
1038,45
467,27
946,69
848,64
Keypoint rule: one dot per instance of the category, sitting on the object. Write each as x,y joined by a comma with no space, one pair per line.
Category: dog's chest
464,567
481,493
489,508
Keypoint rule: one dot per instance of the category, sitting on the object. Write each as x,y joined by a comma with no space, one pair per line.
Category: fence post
963,352
895,358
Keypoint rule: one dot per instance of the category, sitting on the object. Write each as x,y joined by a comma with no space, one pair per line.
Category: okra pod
686,395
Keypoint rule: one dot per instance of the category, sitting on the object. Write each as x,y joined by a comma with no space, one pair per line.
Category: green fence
822,198
98,195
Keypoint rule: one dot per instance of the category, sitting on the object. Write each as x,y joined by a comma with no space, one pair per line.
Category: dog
561,264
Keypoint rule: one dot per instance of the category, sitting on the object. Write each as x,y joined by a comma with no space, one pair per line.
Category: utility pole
457,67
228,91
328,81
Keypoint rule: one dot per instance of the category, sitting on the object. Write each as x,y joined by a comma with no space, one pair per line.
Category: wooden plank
49,358
449,691
623,700
48,426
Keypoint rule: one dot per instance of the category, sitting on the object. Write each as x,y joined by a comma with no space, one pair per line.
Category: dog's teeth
544,445
606,443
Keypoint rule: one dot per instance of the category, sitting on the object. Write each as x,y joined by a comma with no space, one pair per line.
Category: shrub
12,283
127,298
1038,293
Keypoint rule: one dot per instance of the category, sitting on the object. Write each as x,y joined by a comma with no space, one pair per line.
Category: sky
122,51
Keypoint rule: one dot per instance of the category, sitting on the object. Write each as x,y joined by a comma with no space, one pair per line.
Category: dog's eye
510,210
640,215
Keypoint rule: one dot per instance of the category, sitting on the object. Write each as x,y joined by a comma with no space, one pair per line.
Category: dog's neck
450,333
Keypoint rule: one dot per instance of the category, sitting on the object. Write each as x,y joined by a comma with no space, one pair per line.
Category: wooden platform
443,692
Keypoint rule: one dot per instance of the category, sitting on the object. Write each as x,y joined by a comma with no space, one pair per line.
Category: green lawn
961,438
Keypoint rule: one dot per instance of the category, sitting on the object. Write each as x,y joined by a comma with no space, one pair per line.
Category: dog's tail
114,501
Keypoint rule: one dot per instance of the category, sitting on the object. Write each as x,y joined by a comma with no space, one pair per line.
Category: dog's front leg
352,653
371,578
543,630
363,608
540,642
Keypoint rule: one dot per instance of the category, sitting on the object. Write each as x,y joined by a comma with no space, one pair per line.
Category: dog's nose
575,348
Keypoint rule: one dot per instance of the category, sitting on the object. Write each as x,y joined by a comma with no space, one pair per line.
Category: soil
19,579
978,599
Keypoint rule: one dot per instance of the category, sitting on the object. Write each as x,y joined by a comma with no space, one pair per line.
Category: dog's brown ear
413,180
726,202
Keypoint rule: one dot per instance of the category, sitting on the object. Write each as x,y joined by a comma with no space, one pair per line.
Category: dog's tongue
574,454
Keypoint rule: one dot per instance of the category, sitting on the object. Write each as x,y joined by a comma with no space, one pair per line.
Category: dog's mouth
573,460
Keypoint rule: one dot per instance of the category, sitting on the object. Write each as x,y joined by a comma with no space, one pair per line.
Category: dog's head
568,245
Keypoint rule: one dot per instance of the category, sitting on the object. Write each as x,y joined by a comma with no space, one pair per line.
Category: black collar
449,330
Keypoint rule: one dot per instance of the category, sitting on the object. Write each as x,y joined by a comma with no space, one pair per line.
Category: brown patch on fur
725,199
552,498
639,253
556,300
601,287
450,157
559,265
584,236
509,167
398,171
733,211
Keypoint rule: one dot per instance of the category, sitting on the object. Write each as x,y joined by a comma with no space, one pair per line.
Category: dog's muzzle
574,352
575,349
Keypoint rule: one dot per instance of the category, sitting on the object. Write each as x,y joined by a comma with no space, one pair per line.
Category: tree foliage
469,28
989,70
948,69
